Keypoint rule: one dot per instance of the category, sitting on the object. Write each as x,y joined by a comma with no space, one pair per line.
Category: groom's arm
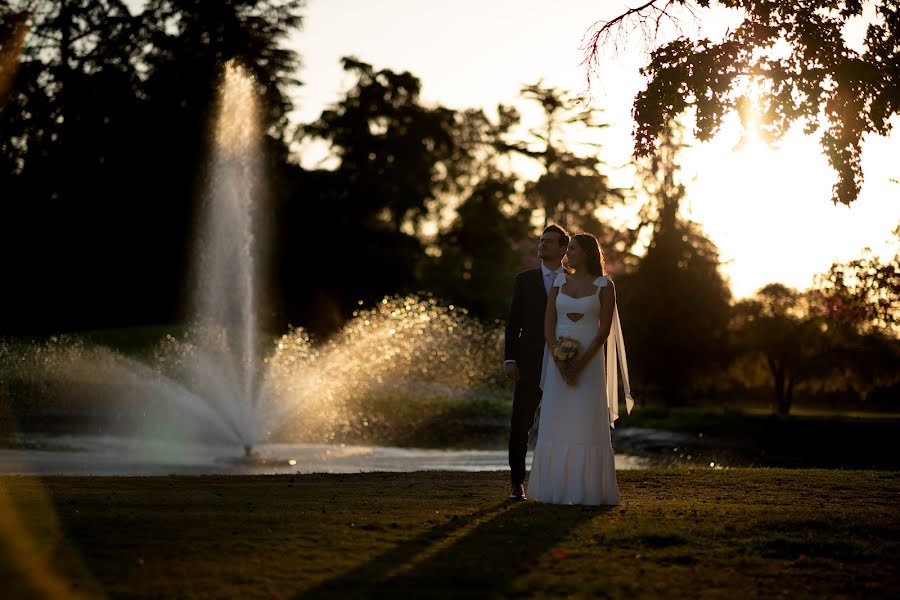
513,324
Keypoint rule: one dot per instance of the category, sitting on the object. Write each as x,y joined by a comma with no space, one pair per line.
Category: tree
395,153
777,324
64,137
863,294
472,259
75,53
102,144
675,305
837,336
571,187
858,304
477,255
90,69
190,40
396,160
792,54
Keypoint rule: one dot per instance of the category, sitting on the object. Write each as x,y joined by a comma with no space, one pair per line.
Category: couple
573,460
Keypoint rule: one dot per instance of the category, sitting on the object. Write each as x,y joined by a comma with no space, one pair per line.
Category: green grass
678,533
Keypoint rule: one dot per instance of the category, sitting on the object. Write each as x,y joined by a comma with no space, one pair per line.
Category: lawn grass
679,533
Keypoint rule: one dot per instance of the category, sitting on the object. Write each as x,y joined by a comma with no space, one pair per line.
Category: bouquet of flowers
566,349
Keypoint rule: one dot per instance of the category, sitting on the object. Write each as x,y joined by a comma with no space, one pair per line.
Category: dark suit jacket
525,324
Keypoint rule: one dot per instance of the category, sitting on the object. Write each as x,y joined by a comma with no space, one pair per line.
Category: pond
107,455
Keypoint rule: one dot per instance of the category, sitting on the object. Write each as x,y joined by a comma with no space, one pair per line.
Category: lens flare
10,50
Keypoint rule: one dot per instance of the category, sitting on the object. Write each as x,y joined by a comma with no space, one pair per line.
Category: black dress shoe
517,492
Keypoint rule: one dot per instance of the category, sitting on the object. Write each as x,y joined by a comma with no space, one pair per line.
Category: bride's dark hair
594,263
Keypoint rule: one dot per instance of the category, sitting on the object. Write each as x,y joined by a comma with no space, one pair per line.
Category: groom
524,346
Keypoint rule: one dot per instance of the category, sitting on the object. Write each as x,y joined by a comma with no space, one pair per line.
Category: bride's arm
607,308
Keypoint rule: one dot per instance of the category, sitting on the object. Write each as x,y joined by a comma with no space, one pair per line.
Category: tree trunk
785,407
63,94
778,377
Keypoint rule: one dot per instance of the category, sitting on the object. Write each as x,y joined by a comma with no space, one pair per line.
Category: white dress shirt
549,276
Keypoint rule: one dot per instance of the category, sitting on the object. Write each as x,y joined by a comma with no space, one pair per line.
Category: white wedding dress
573,461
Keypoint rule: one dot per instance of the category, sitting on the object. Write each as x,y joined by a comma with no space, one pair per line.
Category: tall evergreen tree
675,306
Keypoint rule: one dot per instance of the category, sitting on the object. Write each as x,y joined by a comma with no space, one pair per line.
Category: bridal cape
615,353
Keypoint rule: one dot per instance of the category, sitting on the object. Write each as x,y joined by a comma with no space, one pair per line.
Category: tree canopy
103,138
777,324
863,294
395,153
789,60
572,185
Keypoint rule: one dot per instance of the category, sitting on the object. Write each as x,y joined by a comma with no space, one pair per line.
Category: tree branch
648,18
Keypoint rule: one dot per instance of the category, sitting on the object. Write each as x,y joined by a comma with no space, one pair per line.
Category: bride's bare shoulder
609,290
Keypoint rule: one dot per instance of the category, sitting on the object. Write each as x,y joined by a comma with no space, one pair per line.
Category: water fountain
219,385
224,369
203,398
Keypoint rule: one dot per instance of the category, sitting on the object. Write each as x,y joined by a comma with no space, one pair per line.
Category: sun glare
768,208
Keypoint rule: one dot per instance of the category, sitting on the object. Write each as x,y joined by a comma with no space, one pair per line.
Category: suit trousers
526,399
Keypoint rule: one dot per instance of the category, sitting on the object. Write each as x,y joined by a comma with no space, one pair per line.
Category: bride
573,460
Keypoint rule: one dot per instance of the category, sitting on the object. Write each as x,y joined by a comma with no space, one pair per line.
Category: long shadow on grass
478,555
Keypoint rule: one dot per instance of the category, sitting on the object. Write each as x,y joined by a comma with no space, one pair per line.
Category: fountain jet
225,368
